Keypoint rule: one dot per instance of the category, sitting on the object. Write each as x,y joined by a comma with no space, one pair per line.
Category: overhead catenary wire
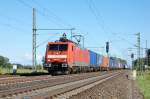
101,22
45,41
95,13
52,14
92,6
40,12
56,17
12,19
25,4
53,18
14,27
45,13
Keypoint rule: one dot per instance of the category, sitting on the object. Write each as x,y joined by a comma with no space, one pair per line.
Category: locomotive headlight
64,65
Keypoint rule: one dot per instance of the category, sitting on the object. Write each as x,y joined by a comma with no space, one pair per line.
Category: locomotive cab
56,57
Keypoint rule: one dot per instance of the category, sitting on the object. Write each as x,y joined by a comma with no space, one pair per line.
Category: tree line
5,63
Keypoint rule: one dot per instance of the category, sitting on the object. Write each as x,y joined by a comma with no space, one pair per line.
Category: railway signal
107,47
132,55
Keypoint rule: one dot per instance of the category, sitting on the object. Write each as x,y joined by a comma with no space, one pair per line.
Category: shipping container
93,59
99,59
114,63
111,62
105,63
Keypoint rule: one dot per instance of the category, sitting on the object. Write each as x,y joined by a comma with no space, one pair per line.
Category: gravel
122,87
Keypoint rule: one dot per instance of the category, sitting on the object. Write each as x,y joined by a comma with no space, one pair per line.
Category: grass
5,70
144,84
19,70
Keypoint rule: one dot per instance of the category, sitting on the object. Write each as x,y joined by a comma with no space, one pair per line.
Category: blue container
112,62
95,59
99,59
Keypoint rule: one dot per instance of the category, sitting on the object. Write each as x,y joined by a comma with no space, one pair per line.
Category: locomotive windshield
58,47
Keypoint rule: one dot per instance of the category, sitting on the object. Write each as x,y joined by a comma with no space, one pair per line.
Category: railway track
39,88
64,91
22,79
82,87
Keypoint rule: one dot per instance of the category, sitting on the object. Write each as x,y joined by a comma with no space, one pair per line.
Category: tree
4,62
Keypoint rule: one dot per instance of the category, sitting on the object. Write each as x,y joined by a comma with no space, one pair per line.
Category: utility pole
34,40
138,51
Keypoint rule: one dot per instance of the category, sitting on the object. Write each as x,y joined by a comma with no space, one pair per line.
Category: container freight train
65,56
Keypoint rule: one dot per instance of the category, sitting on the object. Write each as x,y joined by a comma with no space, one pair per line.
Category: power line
45,13
97,15
57,18
38,11
16,20
42,43
25,4
13,27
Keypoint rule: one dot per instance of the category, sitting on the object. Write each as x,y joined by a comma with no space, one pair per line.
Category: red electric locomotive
64,57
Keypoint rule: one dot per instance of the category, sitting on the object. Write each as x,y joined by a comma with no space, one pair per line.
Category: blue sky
99,21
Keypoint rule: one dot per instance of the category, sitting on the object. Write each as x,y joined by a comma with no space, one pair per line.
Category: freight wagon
105,63
116,63
113,63
95,61
65,56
